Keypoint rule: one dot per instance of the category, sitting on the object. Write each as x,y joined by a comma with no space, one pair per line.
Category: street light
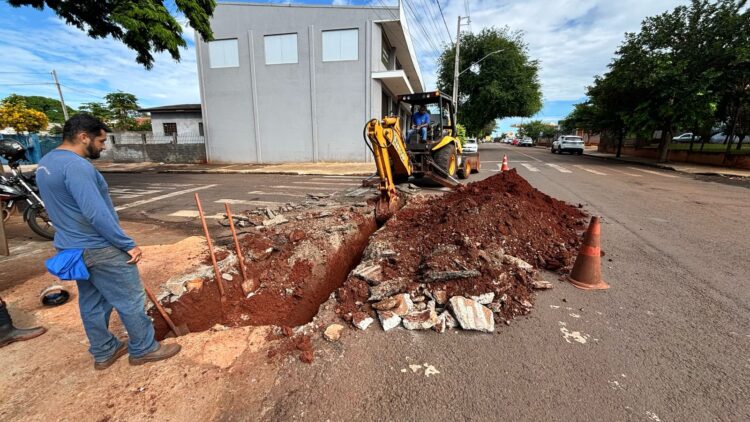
477,62
455,78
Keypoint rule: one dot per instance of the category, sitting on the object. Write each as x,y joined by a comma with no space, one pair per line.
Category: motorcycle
18,188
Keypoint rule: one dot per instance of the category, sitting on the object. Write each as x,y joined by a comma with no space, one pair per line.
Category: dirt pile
472,251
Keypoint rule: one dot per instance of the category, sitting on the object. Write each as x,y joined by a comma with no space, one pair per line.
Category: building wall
306,111
187,123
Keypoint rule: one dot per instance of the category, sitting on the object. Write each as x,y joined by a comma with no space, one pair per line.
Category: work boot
165,351
112,359
10,334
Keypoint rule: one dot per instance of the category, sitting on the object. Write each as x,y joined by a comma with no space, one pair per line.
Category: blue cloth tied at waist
68,265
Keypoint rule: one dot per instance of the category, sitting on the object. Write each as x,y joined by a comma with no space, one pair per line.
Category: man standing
77,200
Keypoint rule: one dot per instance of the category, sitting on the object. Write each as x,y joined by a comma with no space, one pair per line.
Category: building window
385,53
223,53
170,129
200,128
341,45
281,49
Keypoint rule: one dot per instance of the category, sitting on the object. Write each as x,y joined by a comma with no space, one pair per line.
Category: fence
132,138
36,145
135,147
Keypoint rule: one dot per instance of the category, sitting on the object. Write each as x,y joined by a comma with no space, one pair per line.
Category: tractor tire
478,166
465,170
446,159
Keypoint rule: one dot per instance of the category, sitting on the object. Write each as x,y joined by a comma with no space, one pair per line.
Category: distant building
182,120
283,83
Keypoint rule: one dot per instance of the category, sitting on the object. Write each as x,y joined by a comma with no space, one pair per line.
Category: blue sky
574,40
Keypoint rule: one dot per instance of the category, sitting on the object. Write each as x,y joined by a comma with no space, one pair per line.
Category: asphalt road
668,341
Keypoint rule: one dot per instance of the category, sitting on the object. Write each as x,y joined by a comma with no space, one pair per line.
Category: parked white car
686,137
470,146
568,143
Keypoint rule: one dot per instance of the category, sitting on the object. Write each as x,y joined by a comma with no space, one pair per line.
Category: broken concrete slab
518,262
371,273
389,320
484,299
333,332
361,320
385,289
386,304
420,320
279,219
541,285
440,296
404,305
435,276
471,315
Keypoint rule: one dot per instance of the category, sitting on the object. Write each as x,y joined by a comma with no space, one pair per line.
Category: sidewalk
689,168
338,169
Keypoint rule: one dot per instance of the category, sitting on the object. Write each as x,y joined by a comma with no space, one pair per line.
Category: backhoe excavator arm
390,157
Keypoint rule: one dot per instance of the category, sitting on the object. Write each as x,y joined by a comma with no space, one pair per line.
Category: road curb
620,160
187,171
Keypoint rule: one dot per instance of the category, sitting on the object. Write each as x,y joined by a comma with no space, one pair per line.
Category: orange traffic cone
505,163
587,270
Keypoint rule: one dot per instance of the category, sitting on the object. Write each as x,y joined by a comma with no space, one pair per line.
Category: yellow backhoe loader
439,158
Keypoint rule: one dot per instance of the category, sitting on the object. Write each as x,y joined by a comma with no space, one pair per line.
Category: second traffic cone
505,163
587,270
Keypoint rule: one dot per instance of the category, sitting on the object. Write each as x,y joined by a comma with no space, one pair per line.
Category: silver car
568,143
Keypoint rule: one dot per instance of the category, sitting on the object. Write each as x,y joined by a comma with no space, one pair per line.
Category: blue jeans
113,283
422,132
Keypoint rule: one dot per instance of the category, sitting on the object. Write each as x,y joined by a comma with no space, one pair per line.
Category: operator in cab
420,121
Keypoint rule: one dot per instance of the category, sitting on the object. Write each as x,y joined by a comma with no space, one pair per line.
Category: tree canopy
145,26
49,106
505,84
15,114
536,129
687,69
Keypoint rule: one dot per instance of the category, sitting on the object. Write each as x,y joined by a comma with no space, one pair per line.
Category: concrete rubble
471,315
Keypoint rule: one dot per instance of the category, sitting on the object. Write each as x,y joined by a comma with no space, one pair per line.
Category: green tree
534,128
123,108
145,26
685,70
506,83
49,106
96,109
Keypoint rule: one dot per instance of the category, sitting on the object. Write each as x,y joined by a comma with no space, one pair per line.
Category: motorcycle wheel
40,224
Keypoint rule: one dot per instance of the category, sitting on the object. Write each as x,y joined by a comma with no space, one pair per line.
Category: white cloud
574,40
90,68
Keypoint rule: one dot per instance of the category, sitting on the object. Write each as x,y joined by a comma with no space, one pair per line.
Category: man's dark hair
83,122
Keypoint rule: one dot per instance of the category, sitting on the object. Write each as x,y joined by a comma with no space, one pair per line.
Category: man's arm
80,179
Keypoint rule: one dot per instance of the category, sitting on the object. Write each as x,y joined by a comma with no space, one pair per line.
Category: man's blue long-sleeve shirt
77,200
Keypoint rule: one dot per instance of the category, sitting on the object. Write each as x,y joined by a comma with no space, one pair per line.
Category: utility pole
59,91
455,66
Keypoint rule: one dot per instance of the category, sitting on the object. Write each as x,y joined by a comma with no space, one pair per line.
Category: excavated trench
484,238
294,268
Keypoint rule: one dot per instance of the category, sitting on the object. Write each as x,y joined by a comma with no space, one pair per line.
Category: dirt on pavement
472,237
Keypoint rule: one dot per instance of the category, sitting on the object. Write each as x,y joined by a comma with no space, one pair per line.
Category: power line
38,83
448,31
25,73
421,27
83,91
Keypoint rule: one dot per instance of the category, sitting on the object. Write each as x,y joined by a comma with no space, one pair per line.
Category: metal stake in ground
240,257
217,273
